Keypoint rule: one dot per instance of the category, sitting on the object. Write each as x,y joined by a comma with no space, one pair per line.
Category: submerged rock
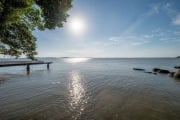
171,74
164,71
2,79
156,69
151,73
148,72
177,74
140,69
177,67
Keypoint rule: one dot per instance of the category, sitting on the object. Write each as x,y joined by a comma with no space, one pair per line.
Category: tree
18,18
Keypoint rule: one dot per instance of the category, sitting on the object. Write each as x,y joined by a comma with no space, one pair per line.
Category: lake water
90,89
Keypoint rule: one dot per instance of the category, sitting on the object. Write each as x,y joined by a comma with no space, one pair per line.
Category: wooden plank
21,63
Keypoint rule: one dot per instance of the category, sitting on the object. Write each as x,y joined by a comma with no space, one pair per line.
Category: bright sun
77,26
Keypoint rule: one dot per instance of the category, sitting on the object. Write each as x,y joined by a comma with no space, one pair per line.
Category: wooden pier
23,63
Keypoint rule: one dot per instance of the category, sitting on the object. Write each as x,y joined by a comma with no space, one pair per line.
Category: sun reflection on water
77,94
76,60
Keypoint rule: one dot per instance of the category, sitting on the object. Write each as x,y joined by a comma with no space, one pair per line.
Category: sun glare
76,60
77,26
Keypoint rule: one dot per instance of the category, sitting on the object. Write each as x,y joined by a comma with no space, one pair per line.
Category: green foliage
18,18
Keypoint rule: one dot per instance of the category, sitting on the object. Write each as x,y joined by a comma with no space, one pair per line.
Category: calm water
90,89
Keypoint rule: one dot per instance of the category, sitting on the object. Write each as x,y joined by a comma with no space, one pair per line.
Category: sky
116,28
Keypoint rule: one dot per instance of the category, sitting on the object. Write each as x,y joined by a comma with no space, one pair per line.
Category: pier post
48,66
28,68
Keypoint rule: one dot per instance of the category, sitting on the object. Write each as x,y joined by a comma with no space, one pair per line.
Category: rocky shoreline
175,75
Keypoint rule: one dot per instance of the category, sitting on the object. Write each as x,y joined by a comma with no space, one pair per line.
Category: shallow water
90,89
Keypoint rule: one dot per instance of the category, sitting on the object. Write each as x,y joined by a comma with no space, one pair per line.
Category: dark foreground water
94,89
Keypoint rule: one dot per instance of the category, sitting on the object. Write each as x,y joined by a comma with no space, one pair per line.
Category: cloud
176,20
115,39
172,13
158,35
170,39
85,52
168,8
131,40
137,43
167,36
177,32
155,9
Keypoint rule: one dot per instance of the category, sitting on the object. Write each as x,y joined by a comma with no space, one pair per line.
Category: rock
151,73
171,74
177,74
140,69
163,71
148,72
177,67
156,69
2,78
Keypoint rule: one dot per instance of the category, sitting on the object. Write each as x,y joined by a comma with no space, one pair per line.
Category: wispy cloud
177,32
153,9
161,35
167,36
131,40
85,52
170,39
168,8
172,13
176,20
